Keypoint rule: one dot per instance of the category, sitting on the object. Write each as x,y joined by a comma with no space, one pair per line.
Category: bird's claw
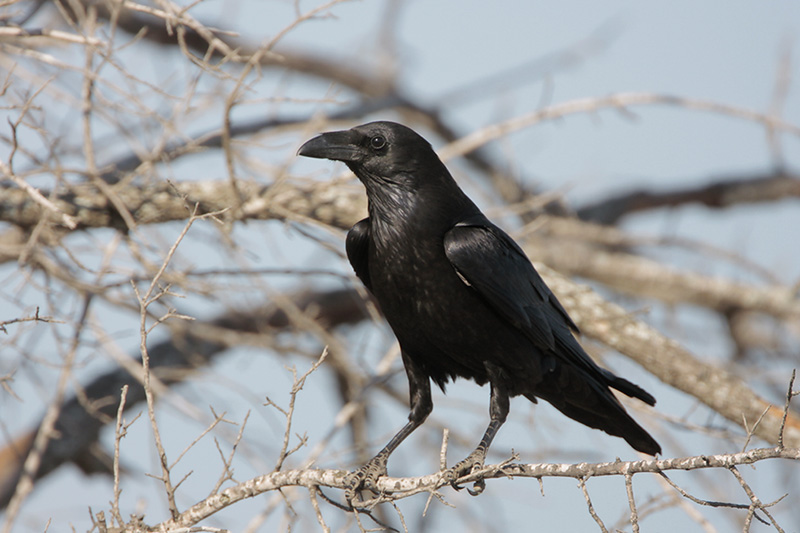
365,477
473,463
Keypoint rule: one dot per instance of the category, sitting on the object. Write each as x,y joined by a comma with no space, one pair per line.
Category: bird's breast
441,321
408,267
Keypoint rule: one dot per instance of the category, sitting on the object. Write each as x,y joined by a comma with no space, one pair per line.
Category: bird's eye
377,142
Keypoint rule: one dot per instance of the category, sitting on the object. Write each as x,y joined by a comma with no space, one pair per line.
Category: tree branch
398,488
718,194
646,278
163,202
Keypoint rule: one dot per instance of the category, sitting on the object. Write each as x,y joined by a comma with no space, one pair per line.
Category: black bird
462,298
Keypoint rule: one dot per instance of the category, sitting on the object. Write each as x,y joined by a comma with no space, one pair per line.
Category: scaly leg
498,411
367,476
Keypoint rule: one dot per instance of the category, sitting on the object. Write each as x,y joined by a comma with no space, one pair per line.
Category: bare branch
698,500
632,502
164,202
755,503
120,431
620,101
36,34
312,492
297,386
645,277
396,488
582,483
218,45
35,318
718,194
227,473
790,393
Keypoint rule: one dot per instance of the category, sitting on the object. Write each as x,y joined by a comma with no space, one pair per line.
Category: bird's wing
357,247
488,260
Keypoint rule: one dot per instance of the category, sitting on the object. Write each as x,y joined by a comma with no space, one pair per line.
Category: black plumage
461,296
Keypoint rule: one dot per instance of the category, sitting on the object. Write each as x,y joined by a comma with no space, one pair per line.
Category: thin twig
756,503
582,483
699,501
227,473
632,502
35,318
297,386
144,302
789,394
206,431
37,197
119,433
443,451
752,430
44,33
312,492
618,101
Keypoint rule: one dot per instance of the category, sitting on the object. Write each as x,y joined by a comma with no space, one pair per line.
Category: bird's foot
471,464
365,477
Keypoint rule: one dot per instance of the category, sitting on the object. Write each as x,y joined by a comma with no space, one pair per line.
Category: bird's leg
498,411
367,476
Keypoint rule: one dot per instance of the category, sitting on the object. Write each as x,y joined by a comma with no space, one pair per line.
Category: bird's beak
336,145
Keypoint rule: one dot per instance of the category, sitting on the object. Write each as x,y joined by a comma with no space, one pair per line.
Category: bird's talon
349,497
470,465
456,486
365,477
479,487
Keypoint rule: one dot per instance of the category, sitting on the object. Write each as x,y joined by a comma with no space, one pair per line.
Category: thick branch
396,488
719,194
646,278
165,202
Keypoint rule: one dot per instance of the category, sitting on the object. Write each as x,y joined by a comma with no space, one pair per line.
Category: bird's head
380,154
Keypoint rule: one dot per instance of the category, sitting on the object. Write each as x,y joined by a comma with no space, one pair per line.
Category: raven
462,298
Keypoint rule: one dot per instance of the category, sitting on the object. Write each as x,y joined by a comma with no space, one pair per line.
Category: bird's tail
590,402
627,388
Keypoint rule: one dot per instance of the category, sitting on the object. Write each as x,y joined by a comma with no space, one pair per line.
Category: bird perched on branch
462,298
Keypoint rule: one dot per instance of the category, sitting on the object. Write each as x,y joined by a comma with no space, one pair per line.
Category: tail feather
620,425
589,401
629,389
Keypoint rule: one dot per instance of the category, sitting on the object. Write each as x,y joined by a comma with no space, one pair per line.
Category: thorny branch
154,293
297,386
393,489
35,318
120,431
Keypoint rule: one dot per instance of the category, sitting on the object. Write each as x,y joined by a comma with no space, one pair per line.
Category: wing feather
495,266
357,247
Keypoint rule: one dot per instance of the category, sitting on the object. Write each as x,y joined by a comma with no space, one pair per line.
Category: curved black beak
335,145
